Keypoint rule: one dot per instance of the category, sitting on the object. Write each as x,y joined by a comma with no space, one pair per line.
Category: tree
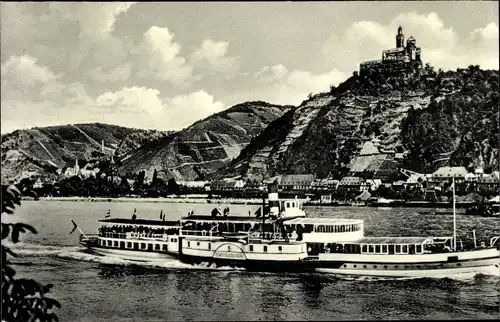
155,176
22,299
173,187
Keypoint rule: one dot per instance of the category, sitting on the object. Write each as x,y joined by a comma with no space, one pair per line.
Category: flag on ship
75,226
108,214
161,214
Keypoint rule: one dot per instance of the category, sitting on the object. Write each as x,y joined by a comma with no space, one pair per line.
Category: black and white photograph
250,161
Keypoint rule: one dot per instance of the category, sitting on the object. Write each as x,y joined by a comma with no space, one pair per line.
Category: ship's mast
454,219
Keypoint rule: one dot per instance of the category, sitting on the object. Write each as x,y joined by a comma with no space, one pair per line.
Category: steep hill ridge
43,150
438,118
205,146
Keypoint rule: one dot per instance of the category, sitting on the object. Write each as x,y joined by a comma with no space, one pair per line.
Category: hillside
204,147
437,118
43,150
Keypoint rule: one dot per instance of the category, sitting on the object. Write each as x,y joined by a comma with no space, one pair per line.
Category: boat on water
280,237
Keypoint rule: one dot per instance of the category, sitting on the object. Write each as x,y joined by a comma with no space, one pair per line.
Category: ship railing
89,237
267,236
198,233
134,235
147,236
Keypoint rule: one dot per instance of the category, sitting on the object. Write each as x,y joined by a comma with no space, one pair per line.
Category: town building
446,174
295,182
396,59
353,184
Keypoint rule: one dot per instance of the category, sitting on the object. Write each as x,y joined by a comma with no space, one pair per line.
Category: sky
166,65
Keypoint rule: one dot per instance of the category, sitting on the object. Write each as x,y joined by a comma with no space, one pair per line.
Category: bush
22,299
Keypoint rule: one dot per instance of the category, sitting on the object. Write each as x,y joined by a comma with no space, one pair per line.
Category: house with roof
488,183
353,184
296,182
324,184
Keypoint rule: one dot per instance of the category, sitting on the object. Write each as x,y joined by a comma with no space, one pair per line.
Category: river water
94,288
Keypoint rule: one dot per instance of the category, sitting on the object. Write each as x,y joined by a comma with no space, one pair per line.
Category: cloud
133,100
183,110
118,74
441,46
23,76
280,86
160,56
32,95
94,21
145,108
211,57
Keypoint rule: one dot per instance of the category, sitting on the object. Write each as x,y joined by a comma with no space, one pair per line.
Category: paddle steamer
280,237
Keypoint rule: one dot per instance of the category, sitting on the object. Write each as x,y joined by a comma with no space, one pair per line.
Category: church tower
400,38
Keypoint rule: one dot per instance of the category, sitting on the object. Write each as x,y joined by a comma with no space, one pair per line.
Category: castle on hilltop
396,59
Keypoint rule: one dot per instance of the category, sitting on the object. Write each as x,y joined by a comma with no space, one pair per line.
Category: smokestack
274,206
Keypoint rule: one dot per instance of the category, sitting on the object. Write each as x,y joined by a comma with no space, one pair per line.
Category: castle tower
400,38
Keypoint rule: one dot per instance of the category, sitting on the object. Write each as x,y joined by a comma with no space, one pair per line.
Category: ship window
288,205
136,245
129,245
197,243
405,249
354,266
229,248
171,240
209,246
377,248
364,266
419,248
164,247
189,244
374,266
115,244
265,248
385,266
384,249
157,247
396,266
109,242
251,248
371,248
398,249
280,248
364,248
143,245
122,244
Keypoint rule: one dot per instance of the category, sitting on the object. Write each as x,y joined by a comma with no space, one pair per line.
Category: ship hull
479,261
253,265
131,255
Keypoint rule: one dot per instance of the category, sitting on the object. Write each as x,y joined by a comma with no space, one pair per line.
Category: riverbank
199,200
